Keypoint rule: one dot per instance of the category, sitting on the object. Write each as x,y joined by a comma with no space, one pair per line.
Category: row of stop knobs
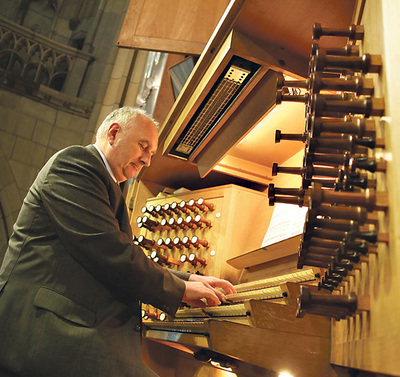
184,223
188,212
160,246
183,207
189,215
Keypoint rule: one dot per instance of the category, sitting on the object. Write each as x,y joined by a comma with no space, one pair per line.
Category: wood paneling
182,26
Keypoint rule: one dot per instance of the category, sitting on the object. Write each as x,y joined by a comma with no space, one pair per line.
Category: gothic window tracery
32,61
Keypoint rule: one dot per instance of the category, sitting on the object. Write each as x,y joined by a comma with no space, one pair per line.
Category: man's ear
112,132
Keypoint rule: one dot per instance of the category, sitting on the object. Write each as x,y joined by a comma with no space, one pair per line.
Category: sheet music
287,221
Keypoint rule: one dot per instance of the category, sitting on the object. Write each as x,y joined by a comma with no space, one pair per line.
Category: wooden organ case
335,312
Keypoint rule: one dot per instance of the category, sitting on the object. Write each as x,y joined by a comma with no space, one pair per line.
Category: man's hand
199,287
195,291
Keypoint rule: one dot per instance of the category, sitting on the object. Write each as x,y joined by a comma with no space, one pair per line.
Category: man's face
129,151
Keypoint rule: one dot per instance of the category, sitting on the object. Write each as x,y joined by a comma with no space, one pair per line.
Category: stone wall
30,132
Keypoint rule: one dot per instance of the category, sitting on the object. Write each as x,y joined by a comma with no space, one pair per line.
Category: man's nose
146,159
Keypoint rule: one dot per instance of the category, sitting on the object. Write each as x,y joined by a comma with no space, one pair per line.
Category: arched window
57,81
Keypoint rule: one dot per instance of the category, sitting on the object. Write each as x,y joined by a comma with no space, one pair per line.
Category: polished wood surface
297,354
266,254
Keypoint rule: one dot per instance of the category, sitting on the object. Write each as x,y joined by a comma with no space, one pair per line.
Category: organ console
319,307
202,249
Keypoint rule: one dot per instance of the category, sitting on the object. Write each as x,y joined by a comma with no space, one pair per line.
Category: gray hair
123,116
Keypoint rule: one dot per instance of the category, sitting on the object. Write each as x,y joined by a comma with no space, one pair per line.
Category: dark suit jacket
72,279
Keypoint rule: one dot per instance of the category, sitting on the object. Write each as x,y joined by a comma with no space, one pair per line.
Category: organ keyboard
295,277
233,304
234,310
243,315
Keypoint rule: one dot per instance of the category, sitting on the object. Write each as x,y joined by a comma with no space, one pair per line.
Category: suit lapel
116,197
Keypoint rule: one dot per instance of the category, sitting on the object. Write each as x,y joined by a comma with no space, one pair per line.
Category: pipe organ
326,315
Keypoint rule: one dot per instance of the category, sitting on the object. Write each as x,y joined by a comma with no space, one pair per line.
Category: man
72,279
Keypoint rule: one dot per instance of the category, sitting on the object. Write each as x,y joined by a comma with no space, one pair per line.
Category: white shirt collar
106,163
